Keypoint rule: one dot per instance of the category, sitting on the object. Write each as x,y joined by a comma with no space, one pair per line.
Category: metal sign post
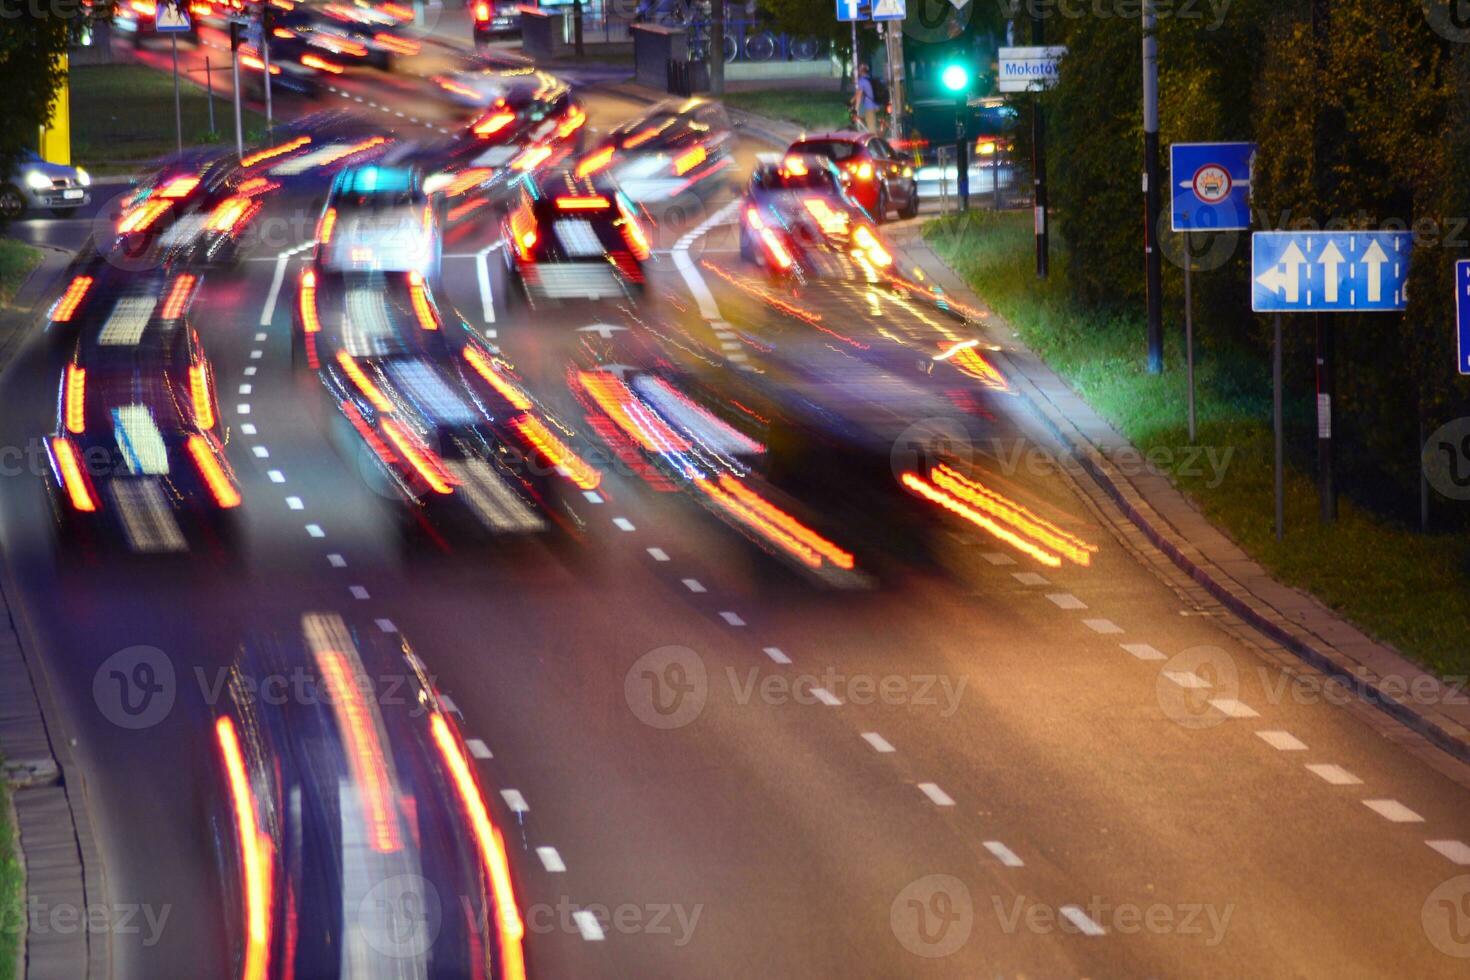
1034,69
173,21
178,110
1189,328
1280,464
235,29
1152,260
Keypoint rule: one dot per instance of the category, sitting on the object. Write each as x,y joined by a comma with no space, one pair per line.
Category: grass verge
12,890
812,109
17,259
125,113
1408,589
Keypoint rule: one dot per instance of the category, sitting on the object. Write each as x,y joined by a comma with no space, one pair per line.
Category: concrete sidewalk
1291,621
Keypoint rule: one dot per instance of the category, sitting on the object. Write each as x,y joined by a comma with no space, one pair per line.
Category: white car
38,184
378,219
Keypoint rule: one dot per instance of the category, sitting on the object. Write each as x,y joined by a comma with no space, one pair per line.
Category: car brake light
282,33
255,855
219,484
633,232
72,477
420,457
795,166
508,922
576,469
363,382
573,122
325,226
689,160
310,323
178,297
509,392
482,11
199,392
419,295
179,187
523,231
863,170
753,218
493,124
777,250
532,158
140,217
587,202
595,162
228,214
76,388
67,304
322,64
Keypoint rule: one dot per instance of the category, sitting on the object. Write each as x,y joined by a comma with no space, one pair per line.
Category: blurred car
878,178
796,218
434,412
96,291
672,148
213,206
378,218
352,835
380,29
495,19
575,237
37,184
138,457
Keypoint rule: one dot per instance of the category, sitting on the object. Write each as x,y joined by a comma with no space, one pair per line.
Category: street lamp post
1153,268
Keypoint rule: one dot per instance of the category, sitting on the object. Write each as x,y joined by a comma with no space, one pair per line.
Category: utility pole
267,23
1324,330
235,30
896,72
178,112
1038,161
577,28
717,48
1153,259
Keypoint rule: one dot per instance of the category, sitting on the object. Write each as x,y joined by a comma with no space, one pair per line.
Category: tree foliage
32,47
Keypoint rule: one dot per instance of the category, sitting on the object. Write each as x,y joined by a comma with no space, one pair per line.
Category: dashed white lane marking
386,625
622,524
295,503
732,618
936,795
269,312
256,355
242,409
775,654
694,585
878,742
315,530
1334,774
250,371
1066,600
593,497
247,428
1282,741
550,860
588,926
261,452
449,705
246,389
358,592
658,554
1082,921
276,476
1232,708
1103,626
515,801
482,275
1393,811
1456,850
1143,651
336,561
1187,679
478,748
1029,578
260,338
997,557
1004,854
826,697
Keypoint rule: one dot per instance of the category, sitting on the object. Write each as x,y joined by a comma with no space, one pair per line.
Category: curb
54,838
1281,616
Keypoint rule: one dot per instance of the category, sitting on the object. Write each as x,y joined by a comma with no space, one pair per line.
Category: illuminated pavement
979,766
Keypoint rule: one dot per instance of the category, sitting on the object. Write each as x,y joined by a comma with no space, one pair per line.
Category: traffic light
955,78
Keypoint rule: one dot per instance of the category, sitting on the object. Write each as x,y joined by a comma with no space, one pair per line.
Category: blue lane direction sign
889,9
1211,184
1330,271
848,10
168,19
1462,312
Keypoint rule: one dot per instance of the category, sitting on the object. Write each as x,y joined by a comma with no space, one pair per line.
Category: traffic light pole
267,22
1153,267
962,152
235,28
1038,164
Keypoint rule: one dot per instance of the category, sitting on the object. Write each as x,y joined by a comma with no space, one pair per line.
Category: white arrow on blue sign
848,10
1330,271
1462,312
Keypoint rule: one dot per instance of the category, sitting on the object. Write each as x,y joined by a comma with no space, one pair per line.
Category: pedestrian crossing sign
889,10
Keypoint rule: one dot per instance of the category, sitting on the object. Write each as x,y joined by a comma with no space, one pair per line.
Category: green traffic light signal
955,77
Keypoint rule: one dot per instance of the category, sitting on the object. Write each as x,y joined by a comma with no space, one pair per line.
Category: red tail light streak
364,384
178,297
67,303
493,124
271,152
75,401
365,756
595,162
78,487
255,855
578,470
486,370
774,524
200,395
213,473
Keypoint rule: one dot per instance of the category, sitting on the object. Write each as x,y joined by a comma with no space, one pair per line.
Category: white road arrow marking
1374,258
1331,259
604,330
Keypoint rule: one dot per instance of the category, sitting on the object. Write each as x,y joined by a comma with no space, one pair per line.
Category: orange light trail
578,470
532,158
313,61
346,151
420,457
1023,520
583,202
255,858
76,390
271,152
486,370
418,294
365,755
71,475
306,298
613,397
397,45
780,526
67,304
179,187
363,382
200,395
573,122
220,487
930,492
140,217
508,922
491,125
178,296
595,162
